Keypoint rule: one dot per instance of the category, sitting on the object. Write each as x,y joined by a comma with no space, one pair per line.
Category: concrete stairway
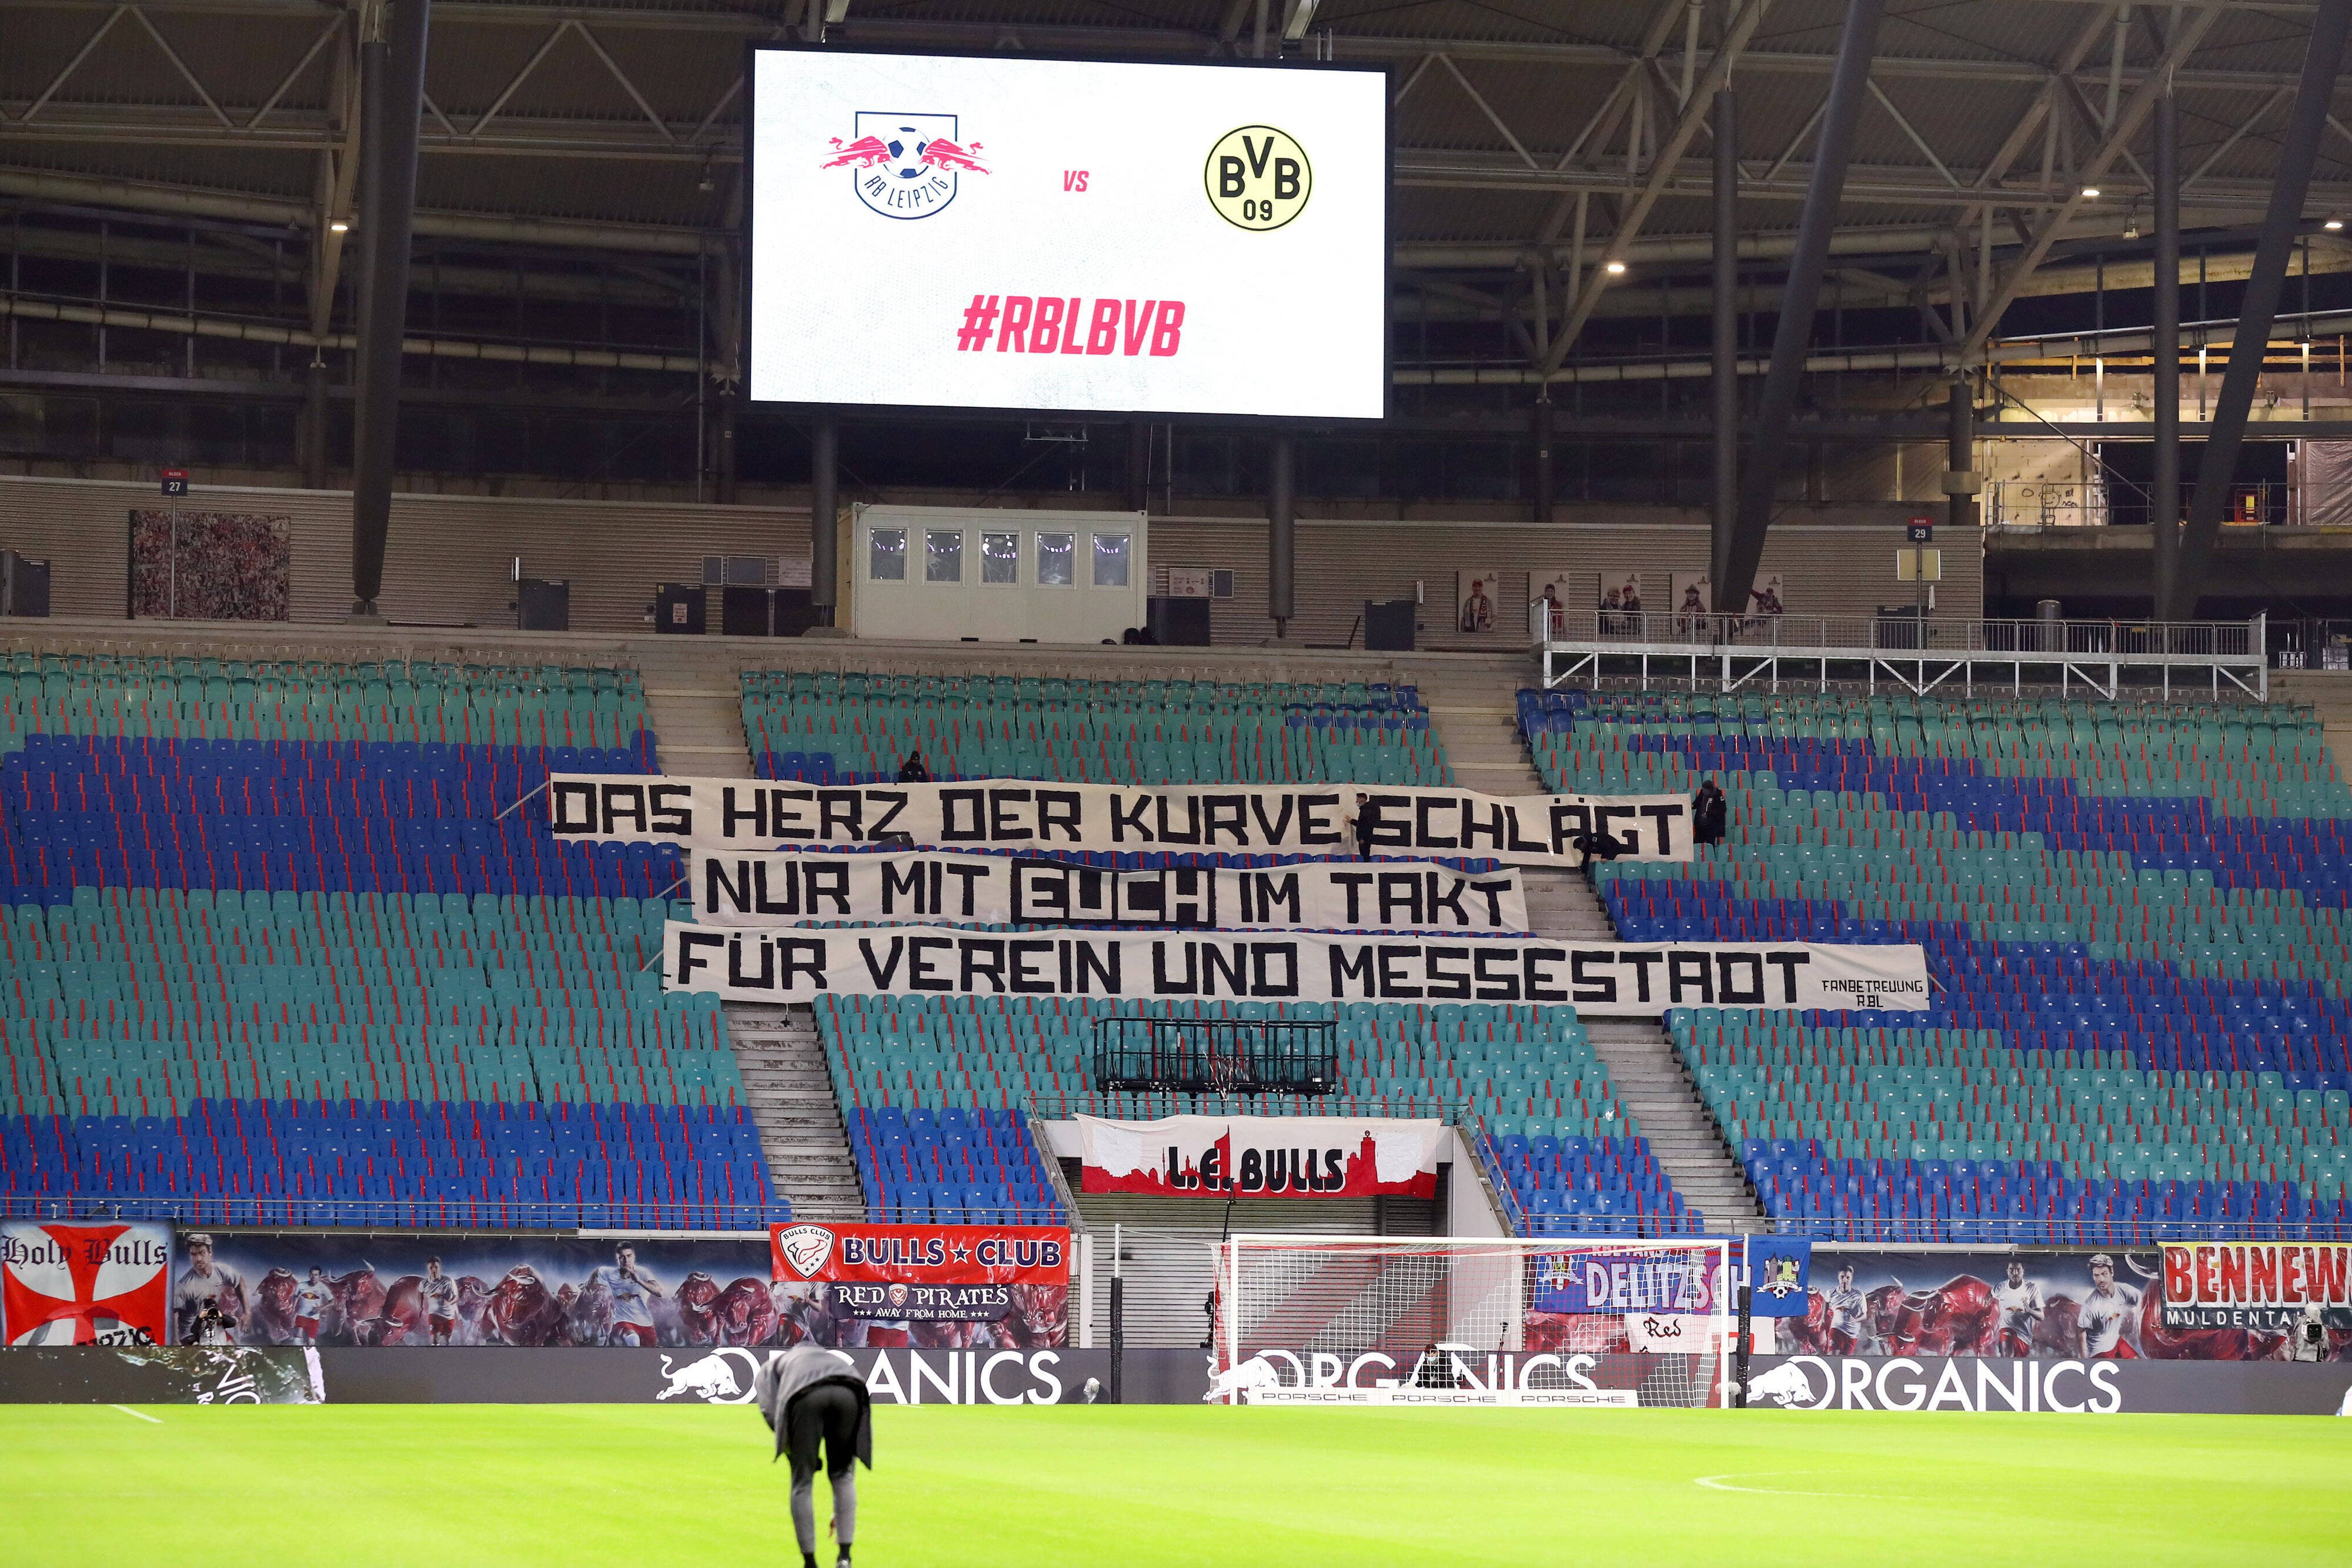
696,698
1648,1076
2328,693
791,1099
1476,715
1473,706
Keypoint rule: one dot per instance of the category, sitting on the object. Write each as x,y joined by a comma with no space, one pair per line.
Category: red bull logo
905,166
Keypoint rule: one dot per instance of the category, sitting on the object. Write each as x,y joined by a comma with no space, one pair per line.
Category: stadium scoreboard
1067,236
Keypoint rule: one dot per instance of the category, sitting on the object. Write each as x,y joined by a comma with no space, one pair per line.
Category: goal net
1369,1320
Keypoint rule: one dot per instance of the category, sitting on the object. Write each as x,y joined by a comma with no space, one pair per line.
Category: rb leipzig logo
904,165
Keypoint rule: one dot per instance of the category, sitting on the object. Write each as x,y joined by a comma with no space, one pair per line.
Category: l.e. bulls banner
865,1285
2252,1285
1262,1157
84,1284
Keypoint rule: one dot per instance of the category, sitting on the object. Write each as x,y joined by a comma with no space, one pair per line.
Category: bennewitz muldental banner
1602,979
1025,815
777,889
1261,1157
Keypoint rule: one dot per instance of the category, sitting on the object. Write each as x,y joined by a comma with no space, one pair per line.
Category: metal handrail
1895,631
1236,1056
277,1211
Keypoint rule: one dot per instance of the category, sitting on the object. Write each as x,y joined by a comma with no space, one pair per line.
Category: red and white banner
84,1284
924,1284
1262,1157
2236,1275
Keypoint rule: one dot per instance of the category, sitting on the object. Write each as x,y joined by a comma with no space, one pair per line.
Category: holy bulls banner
1023,815
1262,1157
1600,979
1405,896
869,1285
84,1284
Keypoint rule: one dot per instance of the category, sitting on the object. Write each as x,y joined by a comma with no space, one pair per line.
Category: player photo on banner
2050,1305
1694,602
378,1290
859,1287
83,1284
1619,598
1475,596
1556,591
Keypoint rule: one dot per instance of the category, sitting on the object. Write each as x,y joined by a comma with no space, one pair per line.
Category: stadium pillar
824,520
392,187
1545,482
371,214
2275,243
1138,464
1281,535
1959,455
314,424
1849,86
722,457
2164,489
1724,516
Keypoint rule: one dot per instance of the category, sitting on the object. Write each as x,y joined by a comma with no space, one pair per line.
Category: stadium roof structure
1533,140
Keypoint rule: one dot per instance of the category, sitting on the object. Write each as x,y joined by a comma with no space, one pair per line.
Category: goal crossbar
1434,1321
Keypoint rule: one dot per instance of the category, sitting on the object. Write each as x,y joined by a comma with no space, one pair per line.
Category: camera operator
211,1325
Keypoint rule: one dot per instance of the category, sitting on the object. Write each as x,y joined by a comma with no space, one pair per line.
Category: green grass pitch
583,1485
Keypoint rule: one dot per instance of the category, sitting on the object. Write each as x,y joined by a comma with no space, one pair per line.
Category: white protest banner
1603,979
1261,1157
777,889
1027,816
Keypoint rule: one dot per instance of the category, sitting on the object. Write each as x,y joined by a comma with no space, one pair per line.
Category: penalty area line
1724,1483
138,1414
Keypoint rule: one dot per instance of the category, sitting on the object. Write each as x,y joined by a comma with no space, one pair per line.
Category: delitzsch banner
952,1285
1262,1157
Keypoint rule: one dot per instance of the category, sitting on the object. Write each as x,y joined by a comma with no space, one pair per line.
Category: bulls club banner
84,1284
1600,979
2261,1285
1262,1157
1022,815
928,1284
1406,895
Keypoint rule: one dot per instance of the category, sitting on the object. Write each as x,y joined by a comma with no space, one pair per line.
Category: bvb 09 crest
1258,178
904,165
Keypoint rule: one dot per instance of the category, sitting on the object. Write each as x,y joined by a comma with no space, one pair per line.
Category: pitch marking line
1724,1483
137,1416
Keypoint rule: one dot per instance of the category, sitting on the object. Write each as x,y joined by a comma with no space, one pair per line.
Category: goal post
1532,1321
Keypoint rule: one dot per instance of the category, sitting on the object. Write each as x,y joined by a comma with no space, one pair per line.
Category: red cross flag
84,1284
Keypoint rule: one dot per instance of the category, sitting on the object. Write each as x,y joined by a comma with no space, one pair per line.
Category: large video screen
1058,235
